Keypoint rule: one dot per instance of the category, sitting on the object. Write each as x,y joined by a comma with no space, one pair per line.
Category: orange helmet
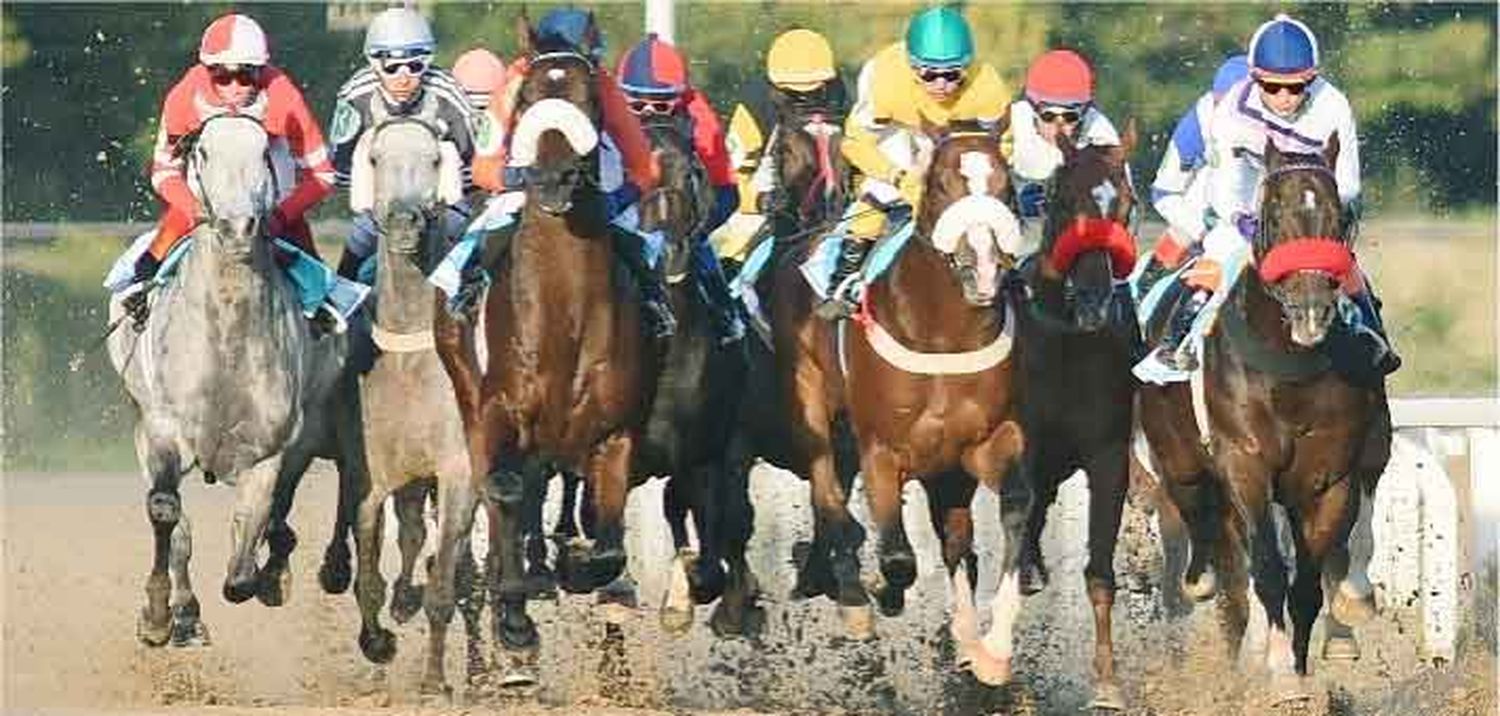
1060,77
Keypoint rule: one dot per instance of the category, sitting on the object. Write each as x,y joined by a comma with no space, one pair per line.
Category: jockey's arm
315,175
1172,193
625,129
168,166
708,142
863,132
1098,131
1346,169
1234,151
345,129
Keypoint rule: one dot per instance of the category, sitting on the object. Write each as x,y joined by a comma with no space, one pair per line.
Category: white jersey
1243,125
1034,159
1181,188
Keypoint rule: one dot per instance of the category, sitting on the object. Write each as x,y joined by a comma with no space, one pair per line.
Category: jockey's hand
1248,225
1048,131
278,224
1033,200
880,193
911,187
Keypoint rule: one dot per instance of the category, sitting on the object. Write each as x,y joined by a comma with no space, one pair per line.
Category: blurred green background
82,86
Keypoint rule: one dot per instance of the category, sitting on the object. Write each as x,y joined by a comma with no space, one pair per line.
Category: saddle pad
317,284
500,212
820,263
122,273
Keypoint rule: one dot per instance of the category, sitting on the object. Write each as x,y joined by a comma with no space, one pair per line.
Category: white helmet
399,32
233,40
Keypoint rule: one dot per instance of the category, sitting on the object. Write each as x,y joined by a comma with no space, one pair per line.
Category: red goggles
652,106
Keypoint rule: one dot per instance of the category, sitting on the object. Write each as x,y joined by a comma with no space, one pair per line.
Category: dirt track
76,550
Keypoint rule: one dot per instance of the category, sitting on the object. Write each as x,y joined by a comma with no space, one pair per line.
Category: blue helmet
1283,46
939,37
1234,69
569,28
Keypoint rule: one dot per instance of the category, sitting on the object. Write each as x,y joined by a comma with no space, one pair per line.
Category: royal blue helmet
1283,46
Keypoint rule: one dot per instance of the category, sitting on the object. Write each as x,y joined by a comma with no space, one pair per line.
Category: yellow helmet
800,60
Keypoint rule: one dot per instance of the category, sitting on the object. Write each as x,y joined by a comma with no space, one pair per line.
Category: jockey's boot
134,303
656,307
349,264
1155,271
464,302
851,259
1372,330
723,310
1175,352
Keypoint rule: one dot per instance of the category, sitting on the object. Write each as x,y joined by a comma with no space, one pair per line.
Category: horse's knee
163,506
506,488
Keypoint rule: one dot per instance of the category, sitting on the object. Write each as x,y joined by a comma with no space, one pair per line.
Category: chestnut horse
1285,427
1074,351
925,378
568,376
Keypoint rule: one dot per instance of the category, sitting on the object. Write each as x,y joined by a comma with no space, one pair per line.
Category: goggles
934,75
652,106
246,75
1274,88
414,66
1066,115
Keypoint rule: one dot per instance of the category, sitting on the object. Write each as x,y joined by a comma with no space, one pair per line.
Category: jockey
234,76
930,79
1285,99
398,80
805,86
1059,101
654,76
1180,192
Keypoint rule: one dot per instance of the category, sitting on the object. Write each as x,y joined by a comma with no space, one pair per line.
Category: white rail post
661,19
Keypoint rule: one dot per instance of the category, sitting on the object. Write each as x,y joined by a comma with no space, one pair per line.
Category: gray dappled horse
226,376
413,435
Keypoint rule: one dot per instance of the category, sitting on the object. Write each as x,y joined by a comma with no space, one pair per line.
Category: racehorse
1076,338
413,436
568,375
692,417
1284,427
925,377
226,376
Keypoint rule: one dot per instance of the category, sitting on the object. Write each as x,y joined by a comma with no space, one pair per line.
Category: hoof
434,687
240,591
1201,589
728,623
582,570
334,576
706,580
378,645
406,601
1341,648
892,600
989,669
1352,610
899,570
150,631
515,669
541,584
1033,578
187,626
1108,697
1290,690
675,622
272,589
859,621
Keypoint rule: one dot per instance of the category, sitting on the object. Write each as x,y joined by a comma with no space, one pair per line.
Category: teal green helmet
939,37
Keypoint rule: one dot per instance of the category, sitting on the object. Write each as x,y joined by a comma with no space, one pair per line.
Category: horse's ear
1331,151
525,35
1129,139
1002,125
932,131
591,35
1273,155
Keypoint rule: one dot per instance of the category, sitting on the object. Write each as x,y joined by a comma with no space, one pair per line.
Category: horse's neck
562,248
225,299
404,300
924,298
1262,313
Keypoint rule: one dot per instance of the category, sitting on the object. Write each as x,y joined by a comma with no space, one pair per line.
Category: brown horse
567,380
1074,350
1285,428
927,388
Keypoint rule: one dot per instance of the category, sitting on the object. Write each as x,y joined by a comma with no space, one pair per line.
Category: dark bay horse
925,377
692,417
1285,428
1074,350
568,380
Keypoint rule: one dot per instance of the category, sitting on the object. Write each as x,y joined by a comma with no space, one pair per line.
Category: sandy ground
76,553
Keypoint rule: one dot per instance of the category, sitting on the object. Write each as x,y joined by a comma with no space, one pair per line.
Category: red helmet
1060,77
234,40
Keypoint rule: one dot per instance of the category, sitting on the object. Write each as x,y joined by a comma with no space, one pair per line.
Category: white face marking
976,168
1309,200
1104,196
556,74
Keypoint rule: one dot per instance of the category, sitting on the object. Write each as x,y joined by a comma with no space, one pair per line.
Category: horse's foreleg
252,513
1200,502
1042,472
411,534
1319,522
377,642
567,517
1109,481
540,582
585,568
898,564
737,612
1346,579
1015,504
275,579
164,510
515,633
456,501
1269,572
708,516
335,574
948,498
